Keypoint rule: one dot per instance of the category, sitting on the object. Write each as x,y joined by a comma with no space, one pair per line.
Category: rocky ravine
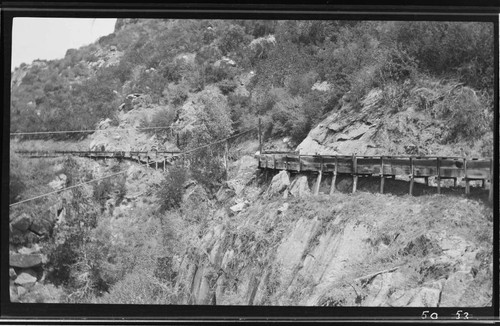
28,273
273,243
286,247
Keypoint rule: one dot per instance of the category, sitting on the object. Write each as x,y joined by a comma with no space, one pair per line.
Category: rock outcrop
280,183
374,129
319,247
300,187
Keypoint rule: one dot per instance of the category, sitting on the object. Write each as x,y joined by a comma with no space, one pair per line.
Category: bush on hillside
139,287
162,118
61,259
102,191
172,188
176,94
465,113
16,183
207,168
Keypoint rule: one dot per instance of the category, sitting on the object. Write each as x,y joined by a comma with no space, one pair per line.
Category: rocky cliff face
287,247
374,130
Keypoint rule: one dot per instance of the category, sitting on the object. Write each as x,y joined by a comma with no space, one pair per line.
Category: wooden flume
414,167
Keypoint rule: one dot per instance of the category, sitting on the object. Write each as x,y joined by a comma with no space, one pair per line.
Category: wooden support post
412,176
382,179
439,175
156,164
147,161
334,178
492,183
318,183
286,162
426,181
355,175
300,164
318,180
164,163
454,182
274,161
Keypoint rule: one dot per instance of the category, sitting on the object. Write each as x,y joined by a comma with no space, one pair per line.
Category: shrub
139,287
172,188
465,113
162,118
397,66
232,39
300,84
289,118
102,191
61,259
16,187
207,168
226,86
176,93
16,183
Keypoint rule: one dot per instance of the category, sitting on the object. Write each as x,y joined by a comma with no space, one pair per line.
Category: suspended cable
71,187
80,131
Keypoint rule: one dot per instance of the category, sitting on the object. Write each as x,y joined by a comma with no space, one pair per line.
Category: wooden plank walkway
413,167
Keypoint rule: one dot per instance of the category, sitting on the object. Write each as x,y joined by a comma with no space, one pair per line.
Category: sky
50,38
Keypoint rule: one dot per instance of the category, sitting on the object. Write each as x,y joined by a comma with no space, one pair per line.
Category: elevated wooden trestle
154,159
468,169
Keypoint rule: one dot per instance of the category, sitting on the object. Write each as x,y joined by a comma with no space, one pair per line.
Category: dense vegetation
170,59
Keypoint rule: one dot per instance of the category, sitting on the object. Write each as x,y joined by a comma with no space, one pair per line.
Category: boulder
40,227
13,293
300,187
21,291
25,261
59,182
12,274
321,86
22,222
238,207
454,288
27,278
28,251
279,183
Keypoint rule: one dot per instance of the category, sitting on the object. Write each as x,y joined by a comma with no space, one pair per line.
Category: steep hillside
417,125
213,229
